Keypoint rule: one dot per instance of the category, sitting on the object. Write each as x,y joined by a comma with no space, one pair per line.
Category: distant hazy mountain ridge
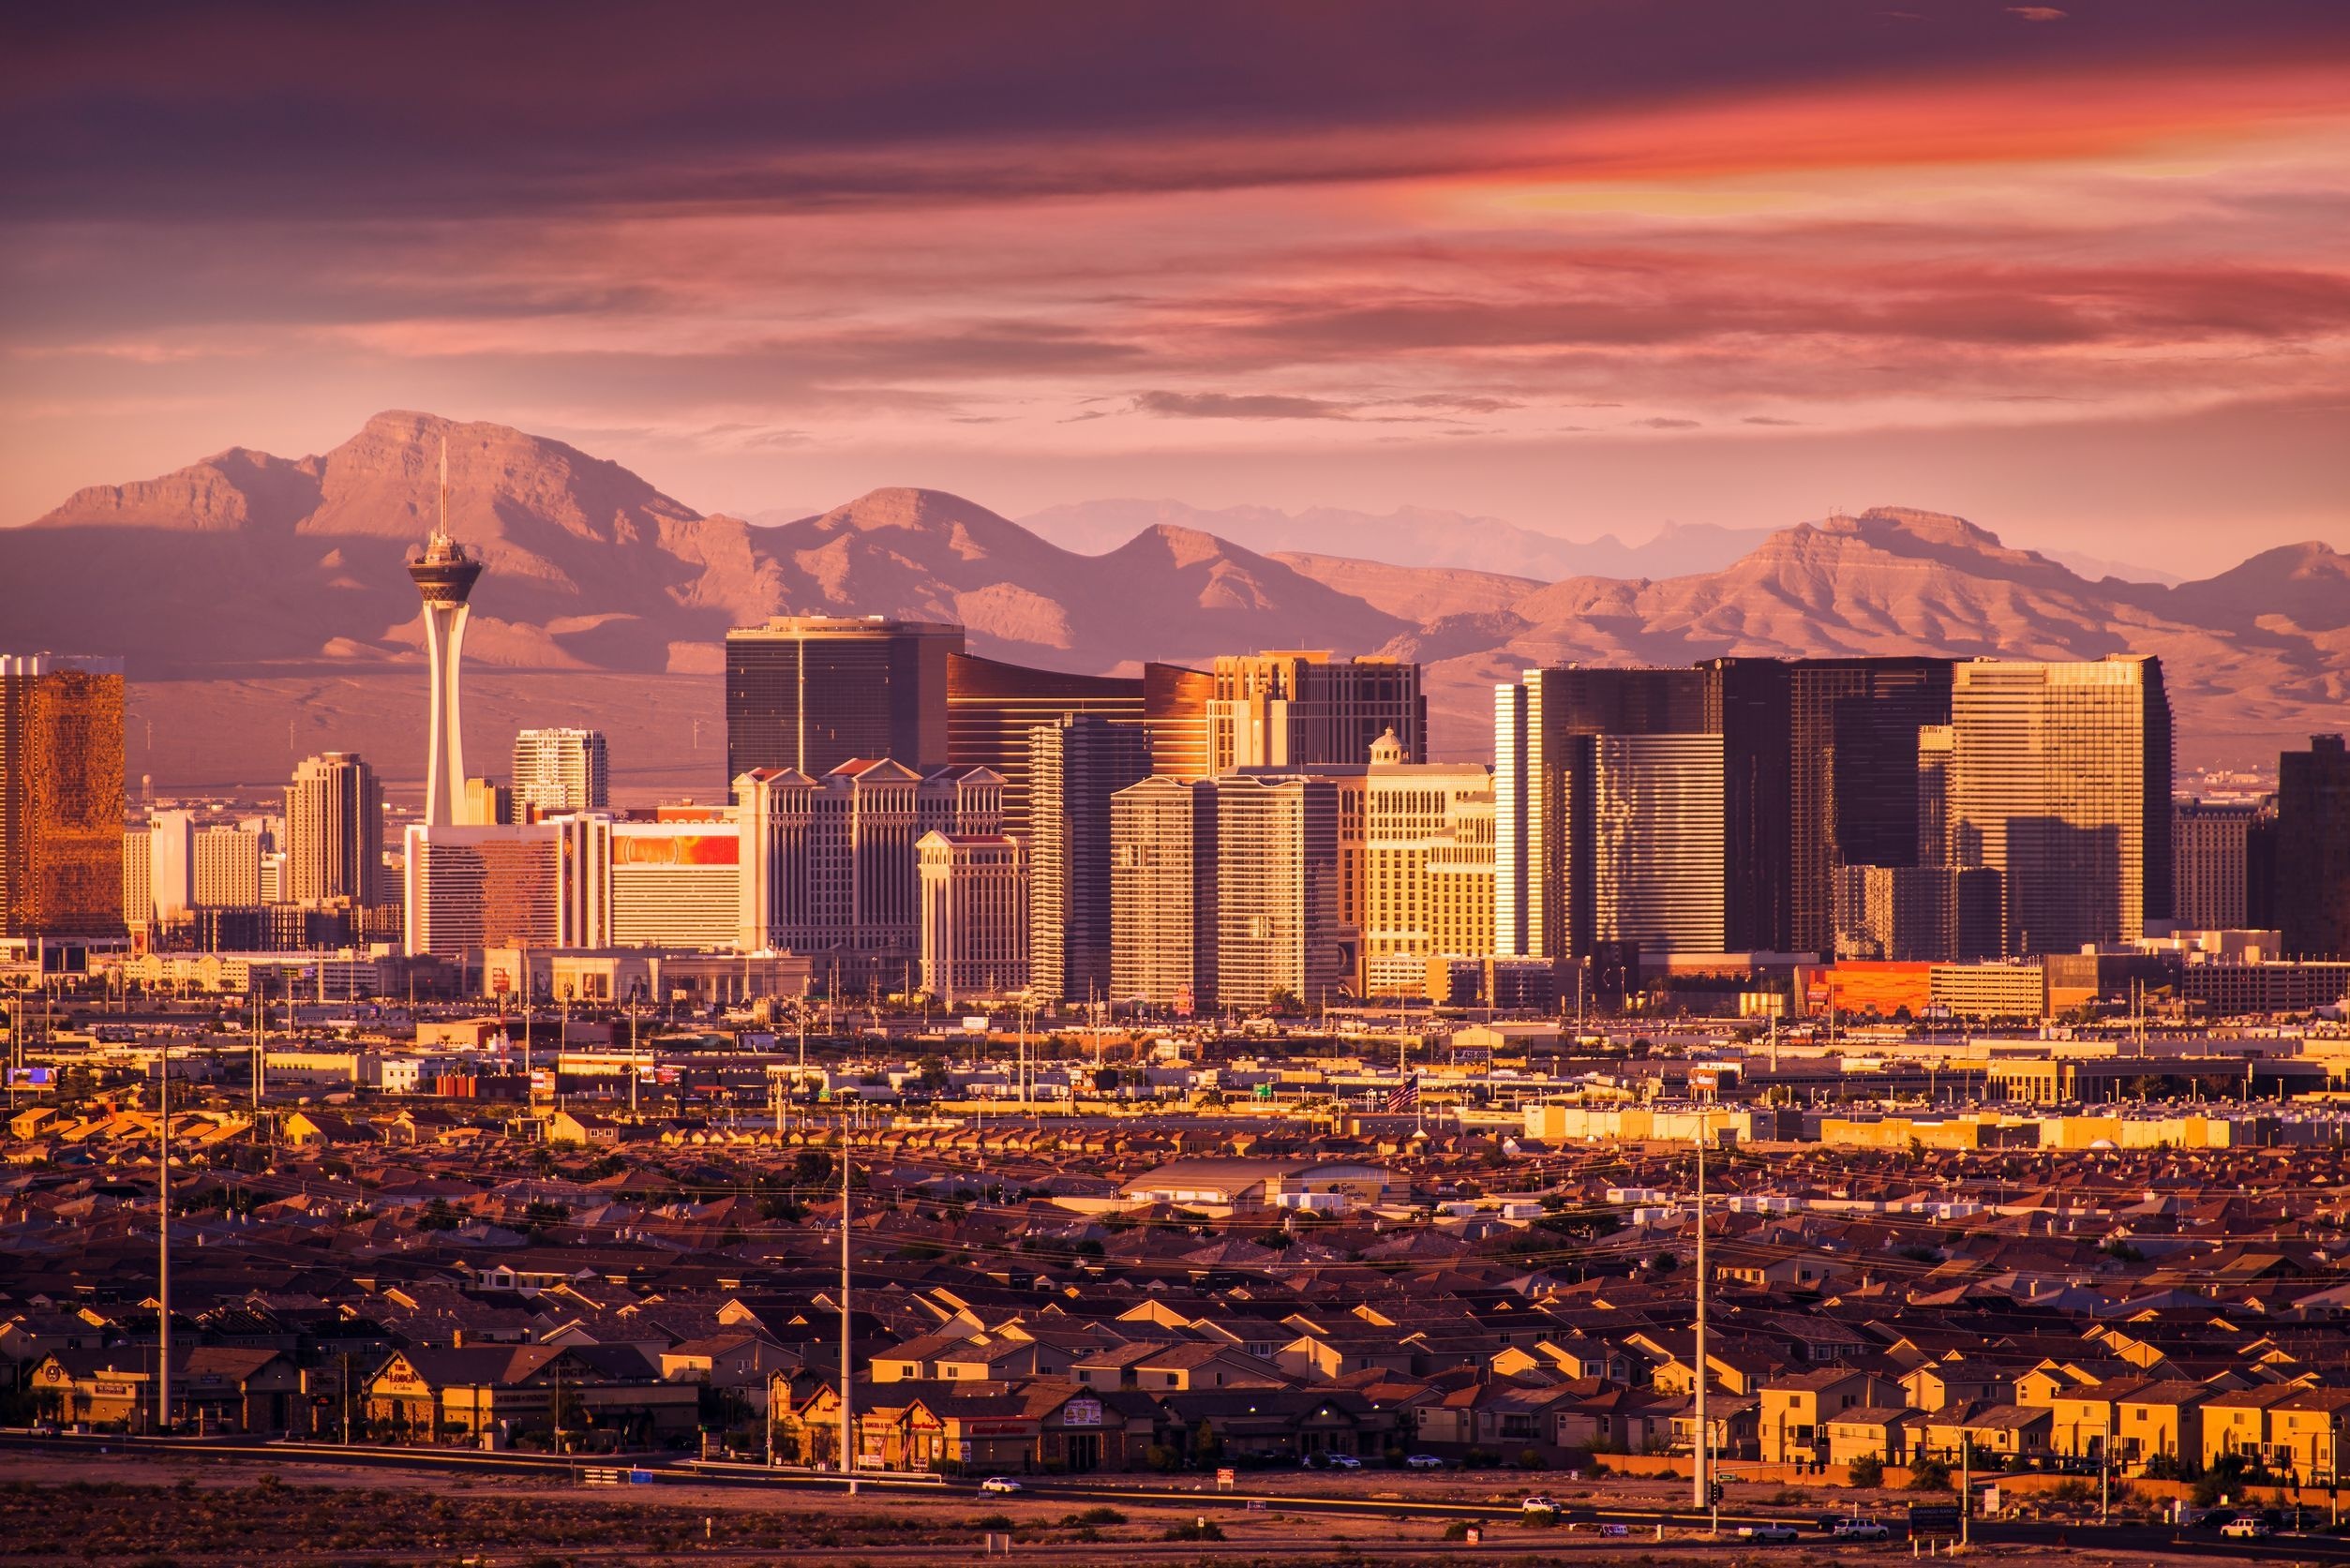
248,565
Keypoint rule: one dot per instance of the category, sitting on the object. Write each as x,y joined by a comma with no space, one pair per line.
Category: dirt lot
149,1512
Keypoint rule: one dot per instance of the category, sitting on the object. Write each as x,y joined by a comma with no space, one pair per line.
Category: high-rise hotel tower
445,575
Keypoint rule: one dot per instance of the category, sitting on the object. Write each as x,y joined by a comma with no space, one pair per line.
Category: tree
1868,1471
1929,1475
1206,1446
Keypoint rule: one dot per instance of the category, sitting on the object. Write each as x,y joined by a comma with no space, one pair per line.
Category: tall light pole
163,1234
848,1453
1701,1451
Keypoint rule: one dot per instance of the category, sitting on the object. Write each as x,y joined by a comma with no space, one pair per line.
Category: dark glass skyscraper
2312,855
1746,705
812,692
1852,775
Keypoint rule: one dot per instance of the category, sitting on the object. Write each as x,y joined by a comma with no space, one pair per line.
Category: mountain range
268,573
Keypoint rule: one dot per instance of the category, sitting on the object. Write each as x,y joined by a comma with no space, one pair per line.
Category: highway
1641,1522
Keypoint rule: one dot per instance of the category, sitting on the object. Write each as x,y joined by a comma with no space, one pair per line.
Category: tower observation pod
444,574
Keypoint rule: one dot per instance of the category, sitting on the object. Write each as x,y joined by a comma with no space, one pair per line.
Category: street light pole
2105,1464
163,1233
848,1454
1701,1451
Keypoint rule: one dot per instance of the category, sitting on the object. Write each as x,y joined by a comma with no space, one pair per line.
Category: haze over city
1276,783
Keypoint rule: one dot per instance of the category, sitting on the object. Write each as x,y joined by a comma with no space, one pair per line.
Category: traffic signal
1715,1492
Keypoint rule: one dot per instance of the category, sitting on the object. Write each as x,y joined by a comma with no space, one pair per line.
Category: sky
2081,274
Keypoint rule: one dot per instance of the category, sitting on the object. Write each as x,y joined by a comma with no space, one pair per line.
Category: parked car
1343,1461
1423,1461
1001,1484
1860,1529
1769,1535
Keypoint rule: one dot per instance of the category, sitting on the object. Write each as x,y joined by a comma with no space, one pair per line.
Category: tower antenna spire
443,530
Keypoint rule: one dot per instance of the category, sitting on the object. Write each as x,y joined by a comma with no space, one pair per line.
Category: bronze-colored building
61,795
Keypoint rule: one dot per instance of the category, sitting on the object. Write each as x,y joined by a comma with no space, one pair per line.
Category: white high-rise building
539,884
138,876
1428,868
172,859
334,839
444,574
558,770
1162,894
829,865
975,916
228,868
674,883
1276,892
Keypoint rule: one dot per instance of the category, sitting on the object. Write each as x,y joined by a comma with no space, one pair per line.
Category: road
673,1471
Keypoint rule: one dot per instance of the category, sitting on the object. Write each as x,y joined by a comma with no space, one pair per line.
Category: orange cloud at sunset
1588,267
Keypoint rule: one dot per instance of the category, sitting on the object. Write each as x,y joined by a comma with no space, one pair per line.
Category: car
1422,1462
1002,1484
1343,1461
2246,1529
1860,1529
1539,1504
1771,1533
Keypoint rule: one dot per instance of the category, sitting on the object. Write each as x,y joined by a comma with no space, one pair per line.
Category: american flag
1405,1095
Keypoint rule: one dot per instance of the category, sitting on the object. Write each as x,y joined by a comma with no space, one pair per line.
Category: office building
487,804
2059,778
1536,720
2207,865
811,692
1853,763
1917,914
526,886
2260,868
675,882
445,575
973,915
1426,879
61,795
273,877
334,831
557,770
1276,867
1162,894
1747,704
828,864
172,859
2313,850
225,868
1656,860
992,706
1075,764
1296,710
138,877
1937,745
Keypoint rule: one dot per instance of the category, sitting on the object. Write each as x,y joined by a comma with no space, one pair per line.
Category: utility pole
163,1232
848,1451
632,1056
2105,1464
1966,1485
1701,1451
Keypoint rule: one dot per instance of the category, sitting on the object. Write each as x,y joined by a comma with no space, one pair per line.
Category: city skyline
1190,775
